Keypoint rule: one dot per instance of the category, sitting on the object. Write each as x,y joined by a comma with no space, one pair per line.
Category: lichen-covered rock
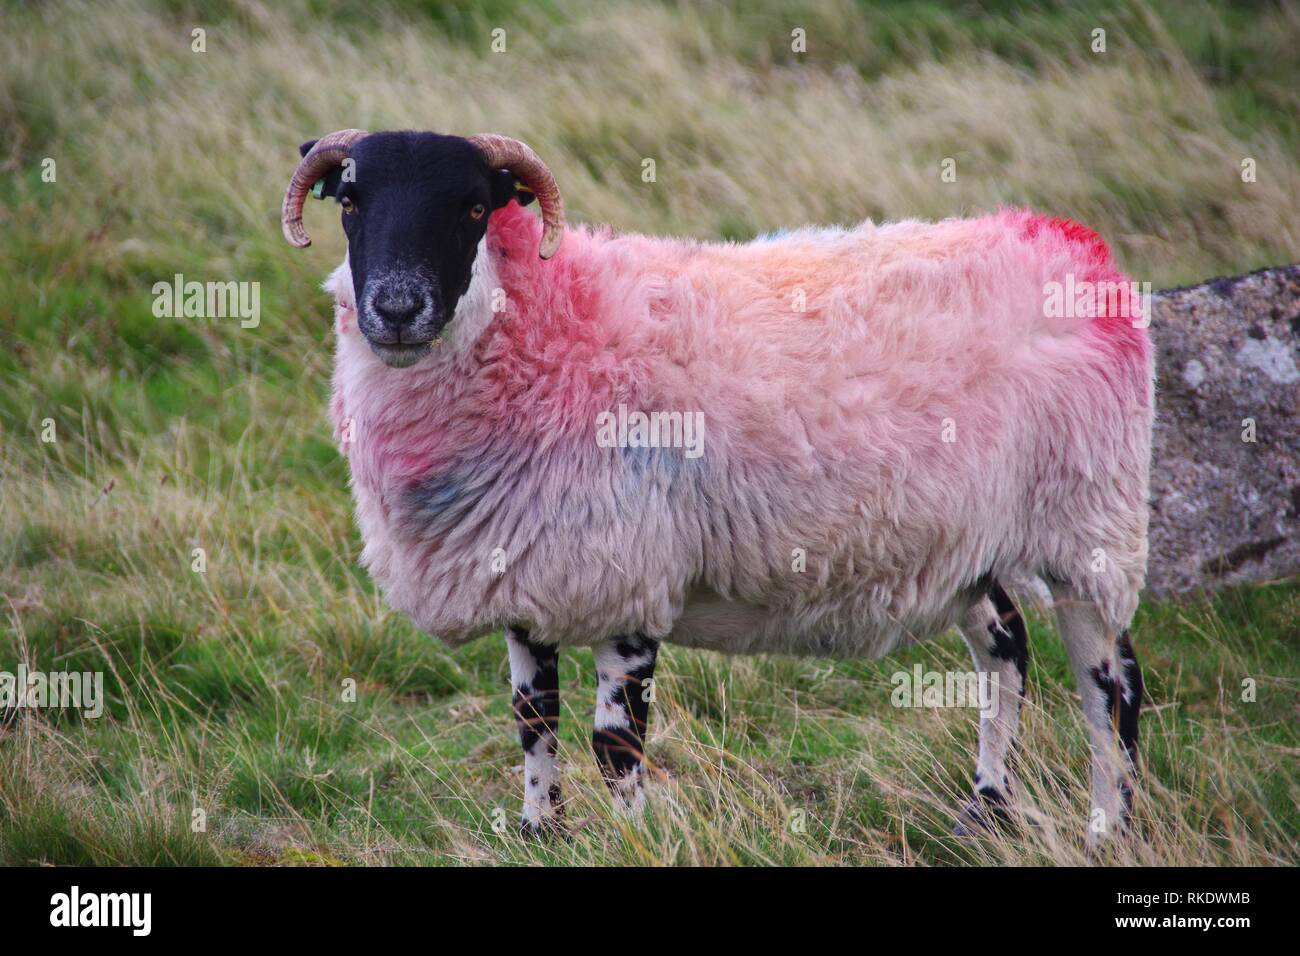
1225,478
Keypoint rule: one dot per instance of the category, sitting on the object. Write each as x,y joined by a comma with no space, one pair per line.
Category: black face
415,206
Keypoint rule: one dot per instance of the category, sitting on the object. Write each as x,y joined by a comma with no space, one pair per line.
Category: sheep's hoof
544,830
1101,846
983,816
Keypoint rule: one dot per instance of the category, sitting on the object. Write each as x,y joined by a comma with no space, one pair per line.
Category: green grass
226,687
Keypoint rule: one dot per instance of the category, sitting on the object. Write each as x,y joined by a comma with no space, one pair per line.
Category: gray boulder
1225,477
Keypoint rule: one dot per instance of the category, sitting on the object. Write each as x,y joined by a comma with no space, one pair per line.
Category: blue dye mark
450,494
643,462
448,497
663,466
639,462
437,494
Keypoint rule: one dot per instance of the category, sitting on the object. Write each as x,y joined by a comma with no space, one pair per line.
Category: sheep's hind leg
535,681
625,669
1129,706
995,633
1110,686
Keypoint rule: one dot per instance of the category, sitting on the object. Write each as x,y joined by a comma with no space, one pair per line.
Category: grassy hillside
176,434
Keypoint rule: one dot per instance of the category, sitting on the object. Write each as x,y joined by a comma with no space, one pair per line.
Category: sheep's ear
326,188
505,188
329,186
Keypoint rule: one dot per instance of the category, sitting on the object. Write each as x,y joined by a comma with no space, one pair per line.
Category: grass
226,686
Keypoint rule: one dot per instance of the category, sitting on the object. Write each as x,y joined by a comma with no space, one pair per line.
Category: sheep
895,424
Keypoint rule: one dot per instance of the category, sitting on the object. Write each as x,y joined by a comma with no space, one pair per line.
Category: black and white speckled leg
1110,686
995,633
535,680
625,669
1129,707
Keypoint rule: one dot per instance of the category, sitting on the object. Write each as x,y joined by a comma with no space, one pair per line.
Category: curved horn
329,151
502,152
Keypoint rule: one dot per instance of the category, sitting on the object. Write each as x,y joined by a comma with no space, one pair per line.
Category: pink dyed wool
888,414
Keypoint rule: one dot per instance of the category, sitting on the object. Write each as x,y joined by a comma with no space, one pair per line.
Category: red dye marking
1116,303
1072,232
548,346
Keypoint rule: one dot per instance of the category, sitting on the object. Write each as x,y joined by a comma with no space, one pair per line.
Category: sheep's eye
477,211
348,205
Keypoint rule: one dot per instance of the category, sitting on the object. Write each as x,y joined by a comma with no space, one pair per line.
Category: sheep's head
414,207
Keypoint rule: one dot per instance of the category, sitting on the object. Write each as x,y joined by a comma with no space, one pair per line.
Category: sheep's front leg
625,668
535,681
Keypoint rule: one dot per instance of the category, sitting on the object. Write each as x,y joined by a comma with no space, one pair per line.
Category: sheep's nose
398,308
